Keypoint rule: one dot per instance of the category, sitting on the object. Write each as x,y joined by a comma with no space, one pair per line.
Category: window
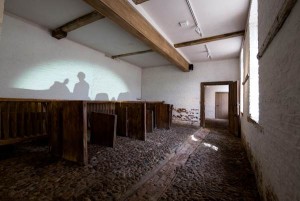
253,67
241,81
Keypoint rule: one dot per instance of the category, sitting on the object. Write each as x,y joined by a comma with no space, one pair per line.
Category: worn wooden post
75,131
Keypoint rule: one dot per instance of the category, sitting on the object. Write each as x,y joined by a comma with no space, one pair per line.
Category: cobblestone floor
217,170
29,173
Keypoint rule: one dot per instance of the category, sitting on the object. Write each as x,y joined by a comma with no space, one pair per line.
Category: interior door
221,105
234,122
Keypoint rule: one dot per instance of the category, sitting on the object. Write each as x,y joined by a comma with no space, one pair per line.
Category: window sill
256,124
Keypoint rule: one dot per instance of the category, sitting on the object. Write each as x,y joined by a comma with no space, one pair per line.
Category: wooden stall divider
103,129
150,121
5,121
122,122
55,127
75,131
163,116
136,120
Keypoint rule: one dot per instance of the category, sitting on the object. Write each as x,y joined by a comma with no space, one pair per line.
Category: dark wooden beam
131,54
61,32
210,39
139,1
125,15
283,14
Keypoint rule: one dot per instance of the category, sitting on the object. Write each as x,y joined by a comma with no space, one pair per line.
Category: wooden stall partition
136,120
122,116
21,120
55,127
75,131
150,122
163,116
103,129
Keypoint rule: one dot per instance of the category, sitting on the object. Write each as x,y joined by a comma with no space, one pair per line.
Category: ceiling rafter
122,13
210,39
62,31
131,54
137,2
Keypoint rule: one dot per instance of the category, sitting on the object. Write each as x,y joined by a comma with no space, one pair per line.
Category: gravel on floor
30,173
217,170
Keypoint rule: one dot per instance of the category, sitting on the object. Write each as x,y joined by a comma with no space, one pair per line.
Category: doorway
219,106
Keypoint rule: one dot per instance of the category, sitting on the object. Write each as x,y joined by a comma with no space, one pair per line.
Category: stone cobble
30,173
217,170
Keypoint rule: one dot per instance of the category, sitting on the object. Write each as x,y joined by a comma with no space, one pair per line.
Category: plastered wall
273,144
35,65
1,14
183,89
210,99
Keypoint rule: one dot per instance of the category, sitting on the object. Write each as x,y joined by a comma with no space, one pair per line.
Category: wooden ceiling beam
131,54
123,14
139,1
210,39
62,31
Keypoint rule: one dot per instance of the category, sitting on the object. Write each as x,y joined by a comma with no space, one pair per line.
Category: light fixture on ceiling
184,23
197,28
208,53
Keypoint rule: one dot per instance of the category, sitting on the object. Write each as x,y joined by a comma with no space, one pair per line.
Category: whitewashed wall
35,65
1,15
210,99
182,89
274,144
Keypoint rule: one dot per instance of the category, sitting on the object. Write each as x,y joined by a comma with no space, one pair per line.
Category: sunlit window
253,68
241,81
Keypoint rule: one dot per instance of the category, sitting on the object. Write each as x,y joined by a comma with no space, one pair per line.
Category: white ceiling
214,16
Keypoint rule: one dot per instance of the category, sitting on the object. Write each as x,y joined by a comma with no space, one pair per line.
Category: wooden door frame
202,105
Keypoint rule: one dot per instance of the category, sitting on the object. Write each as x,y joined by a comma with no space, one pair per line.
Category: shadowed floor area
217,123
217,170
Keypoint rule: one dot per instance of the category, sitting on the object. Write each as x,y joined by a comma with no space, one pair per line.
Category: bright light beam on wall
43,76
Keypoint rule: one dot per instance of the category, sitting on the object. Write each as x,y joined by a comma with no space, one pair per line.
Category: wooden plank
1,103
210,39
163,116
281,17
150,121
137,120
13,119
202,106
137,2
103,129
62,32
5,120
55,127
122,122
131,54
19,140
75,132
123,14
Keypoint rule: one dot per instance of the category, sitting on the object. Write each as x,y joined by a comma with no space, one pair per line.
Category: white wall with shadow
35,65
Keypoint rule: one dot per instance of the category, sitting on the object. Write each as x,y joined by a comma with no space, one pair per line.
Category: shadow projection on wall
93,84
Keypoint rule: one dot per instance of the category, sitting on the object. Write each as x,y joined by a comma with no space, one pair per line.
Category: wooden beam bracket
62,31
